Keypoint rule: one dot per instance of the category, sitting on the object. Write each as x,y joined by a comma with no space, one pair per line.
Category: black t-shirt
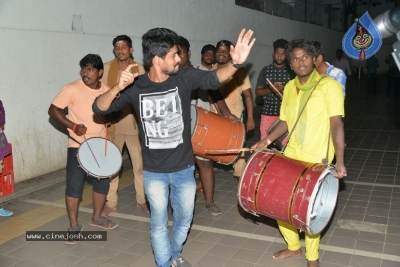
272,103
163,111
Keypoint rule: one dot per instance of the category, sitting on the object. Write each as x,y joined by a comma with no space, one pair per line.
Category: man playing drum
319,132
161,98
279,76
237,95
82,123
201,99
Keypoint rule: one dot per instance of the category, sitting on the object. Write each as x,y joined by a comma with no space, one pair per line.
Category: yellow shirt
326,101
232,91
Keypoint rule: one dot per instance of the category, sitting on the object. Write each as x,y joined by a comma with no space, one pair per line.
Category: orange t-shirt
78,98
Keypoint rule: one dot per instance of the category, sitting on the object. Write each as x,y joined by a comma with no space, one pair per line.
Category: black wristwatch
235,65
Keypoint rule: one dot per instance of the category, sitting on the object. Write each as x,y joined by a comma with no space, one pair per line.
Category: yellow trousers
135,152
291,236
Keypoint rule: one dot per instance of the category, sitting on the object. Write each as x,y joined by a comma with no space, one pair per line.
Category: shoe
213,209
180,262
73,235
5,213
196,174
107,210
103,222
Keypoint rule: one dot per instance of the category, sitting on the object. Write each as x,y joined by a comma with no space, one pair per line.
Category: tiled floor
364,230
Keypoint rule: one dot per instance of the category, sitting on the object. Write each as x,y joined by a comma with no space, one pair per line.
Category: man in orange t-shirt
82,124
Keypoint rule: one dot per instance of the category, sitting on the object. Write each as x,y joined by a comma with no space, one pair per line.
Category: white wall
40,53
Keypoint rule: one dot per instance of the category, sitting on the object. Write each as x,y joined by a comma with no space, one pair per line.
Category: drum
299,193
281,141
95,161
213,131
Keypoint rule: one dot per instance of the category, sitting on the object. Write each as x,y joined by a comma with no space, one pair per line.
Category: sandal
213,209
103,222
73,234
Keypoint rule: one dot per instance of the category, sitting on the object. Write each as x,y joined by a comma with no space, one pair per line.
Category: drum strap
301,112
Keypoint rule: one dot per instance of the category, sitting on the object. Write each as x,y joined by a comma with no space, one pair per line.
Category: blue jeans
183,189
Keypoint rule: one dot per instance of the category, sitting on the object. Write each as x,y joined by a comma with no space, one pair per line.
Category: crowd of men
149,112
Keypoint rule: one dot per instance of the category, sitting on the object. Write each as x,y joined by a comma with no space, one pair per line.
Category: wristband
268,142
117,95
73,128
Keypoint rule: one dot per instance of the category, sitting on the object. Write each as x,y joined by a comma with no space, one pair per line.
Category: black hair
223,43
302,44
184,42
91,60
280,43
125,38
318,49
208,47
157,42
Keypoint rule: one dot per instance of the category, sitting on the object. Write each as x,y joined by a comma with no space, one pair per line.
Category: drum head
193,118
325,195
107,165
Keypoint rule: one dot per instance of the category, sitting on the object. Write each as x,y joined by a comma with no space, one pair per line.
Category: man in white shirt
341,62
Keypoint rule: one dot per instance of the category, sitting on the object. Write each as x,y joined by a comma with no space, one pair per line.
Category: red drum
213,131
281,141
296,192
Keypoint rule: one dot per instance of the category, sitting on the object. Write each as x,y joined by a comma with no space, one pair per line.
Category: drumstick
226,151
105,146
273,87
91,152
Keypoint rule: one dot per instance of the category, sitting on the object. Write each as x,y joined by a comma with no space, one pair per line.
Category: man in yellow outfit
319,126
125,130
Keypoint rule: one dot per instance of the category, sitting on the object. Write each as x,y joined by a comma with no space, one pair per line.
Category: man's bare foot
143,206
286,253
107,210
313,263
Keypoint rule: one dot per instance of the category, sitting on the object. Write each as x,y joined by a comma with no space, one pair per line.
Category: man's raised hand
244,43
126,77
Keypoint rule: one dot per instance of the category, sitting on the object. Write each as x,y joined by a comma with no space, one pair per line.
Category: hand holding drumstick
277,88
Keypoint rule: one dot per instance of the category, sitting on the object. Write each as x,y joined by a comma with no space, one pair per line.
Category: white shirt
342,64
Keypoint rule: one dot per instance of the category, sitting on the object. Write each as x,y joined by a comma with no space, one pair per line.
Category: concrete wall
40,53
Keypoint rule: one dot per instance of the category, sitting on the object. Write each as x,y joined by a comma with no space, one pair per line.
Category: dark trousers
371,81
393,82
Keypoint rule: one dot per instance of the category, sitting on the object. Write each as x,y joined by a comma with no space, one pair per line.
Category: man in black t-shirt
161,98
279,76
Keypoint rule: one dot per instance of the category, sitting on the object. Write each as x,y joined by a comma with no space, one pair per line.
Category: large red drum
212,131
299,193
